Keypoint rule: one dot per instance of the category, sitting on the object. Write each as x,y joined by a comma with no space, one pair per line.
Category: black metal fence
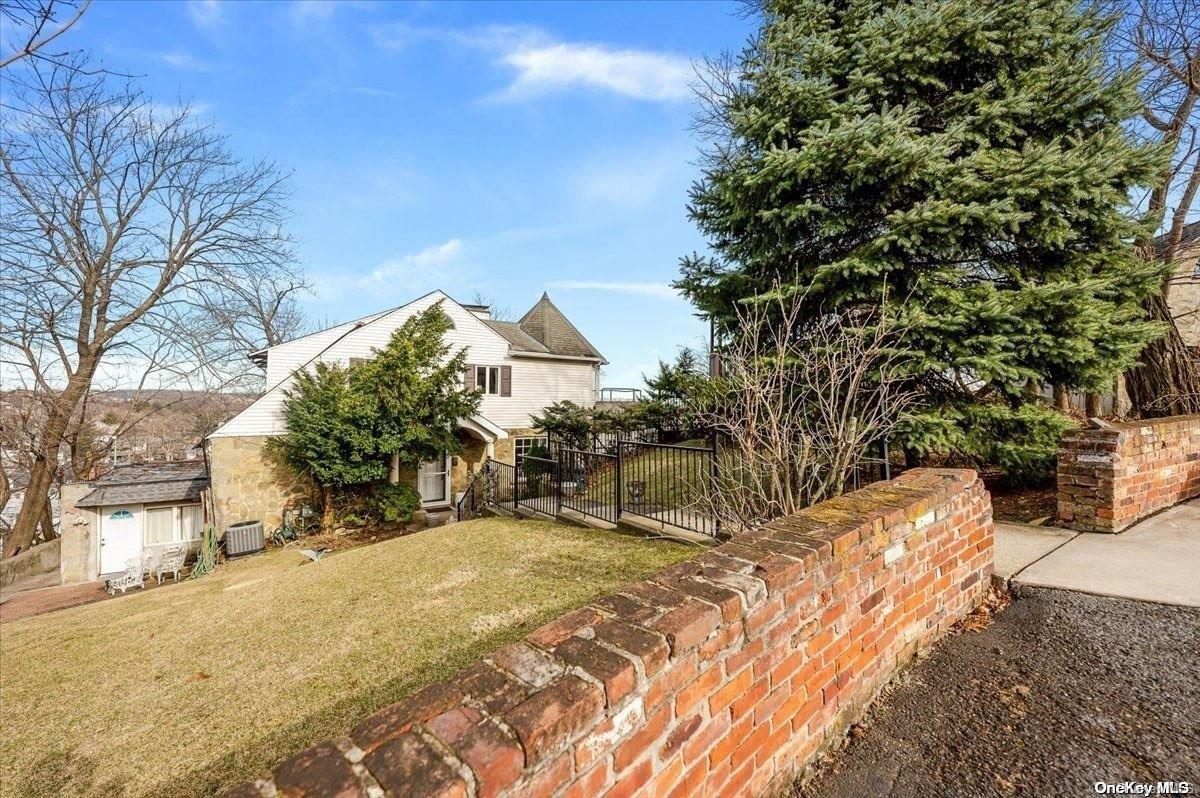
537,483
588,483
665,483
494,485
668,483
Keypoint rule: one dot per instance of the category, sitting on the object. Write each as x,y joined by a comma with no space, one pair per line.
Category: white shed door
120,537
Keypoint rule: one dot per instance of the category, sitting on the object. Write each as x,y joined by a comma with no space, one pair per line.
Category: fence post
712,482
618,481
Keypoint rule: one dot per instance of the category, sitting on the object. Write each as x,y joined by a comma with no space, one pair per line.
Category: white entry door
120,537
432,481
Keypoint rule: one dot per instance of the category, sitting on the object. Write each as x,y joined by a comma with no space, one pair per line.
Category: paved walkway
1062,691
1156,560
47,599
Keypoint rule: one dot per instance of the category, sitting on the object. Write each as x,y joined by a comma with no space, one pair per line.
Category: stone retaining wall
1111,477
723,674
41,559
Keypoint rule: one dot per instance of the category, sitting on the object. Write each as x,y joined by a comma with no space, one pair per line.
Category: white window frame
522,444
488,378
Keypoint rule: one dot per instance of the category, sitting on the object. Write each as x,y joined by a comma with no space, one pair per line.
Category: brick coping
729,670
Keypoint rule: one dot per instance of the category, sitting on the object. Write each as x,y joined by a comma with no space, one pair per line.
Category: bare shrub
797,404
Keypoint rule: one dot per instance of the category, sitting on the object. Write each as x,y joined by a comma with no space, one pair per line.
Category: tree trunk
1091,404
1167,383
1062,398
48,532
327,508
45,463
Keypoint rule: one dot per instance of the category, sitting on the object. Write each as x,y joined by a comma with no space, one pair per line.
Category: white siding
536,382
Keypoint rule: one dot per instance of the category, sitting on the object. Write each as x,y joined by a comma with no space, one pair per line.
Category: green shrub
1021,441
397,503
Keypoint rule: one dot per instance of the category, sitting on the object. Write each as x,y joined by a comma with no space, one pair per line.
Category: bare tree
126,229
798,404
1162,38
31,26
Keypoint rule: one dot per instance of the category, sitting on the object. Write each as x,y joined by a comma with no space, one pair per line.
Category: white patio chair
133,577
170,562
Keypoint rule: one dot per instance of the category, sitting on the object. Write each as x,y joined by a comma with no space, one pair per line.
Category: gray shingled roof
521,340
149,482
547,324
1191,234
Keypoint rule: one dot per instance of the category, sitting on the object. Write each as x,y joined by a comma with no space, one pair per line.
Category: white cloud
181,60
370,91
304,12
658,290
435,266
544,65
638,74
206,13
415,266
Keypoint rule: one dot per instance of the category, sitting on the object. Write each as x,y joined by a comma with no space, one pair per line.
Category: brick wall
727,671
1109,478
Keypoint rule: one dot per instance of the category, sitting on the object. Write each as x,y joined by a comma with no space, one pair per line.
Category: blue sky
500,148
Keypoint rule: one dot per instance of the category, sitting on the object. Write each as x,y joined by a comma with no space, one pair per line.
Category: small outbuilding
135,509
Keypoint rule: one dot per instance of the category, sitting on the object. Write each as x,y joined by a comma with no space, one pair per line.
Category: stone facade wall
1183,297
248,484
506,448
1109,478
77,529
723,674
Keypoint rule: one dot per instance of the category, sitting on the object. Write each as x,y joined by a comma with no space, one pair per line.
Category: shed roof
149,482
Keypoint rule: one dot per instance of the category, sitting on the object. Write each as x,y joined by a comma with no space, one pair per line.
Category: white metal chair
133,577
170,561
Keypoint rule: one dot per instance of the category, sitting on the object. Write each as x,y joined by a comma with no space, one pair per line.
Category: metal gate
588,483
667,483
537,484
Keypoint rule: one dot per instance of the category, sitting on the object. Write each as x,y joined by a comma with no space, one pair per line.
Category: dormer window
488,378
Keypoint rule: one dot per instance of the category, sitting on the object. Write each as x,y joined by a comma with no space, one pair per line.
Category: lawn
189,689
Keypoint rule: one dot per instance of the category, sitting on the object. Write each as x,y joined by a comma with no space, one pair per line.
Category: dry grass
189,689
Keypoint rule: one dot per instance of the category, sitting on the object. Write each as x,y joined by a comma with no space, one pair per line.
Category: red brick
396,719
410,766
640,741
615,672
699,688
687,625
679,735
494,756
560,629
553,716
650,648
320,770
725,694
631,782
669,682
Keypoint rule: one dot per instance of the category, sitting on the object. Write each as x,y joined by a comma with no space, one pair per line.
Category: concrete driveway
1156,560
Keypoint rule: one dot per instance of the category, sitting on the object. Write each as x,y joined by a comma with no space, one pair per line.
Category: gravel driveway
1062,691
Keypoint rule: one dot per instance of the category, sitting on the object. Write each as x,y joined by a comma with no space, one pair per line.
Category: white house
522,366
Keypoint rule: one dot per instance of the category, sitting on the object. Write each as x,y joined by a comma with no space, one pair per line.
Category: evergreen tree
345,424
963,159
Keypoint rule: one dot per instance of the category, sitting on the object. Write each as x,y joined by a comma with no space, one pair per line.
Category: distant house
133,509
522,367
1183,293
